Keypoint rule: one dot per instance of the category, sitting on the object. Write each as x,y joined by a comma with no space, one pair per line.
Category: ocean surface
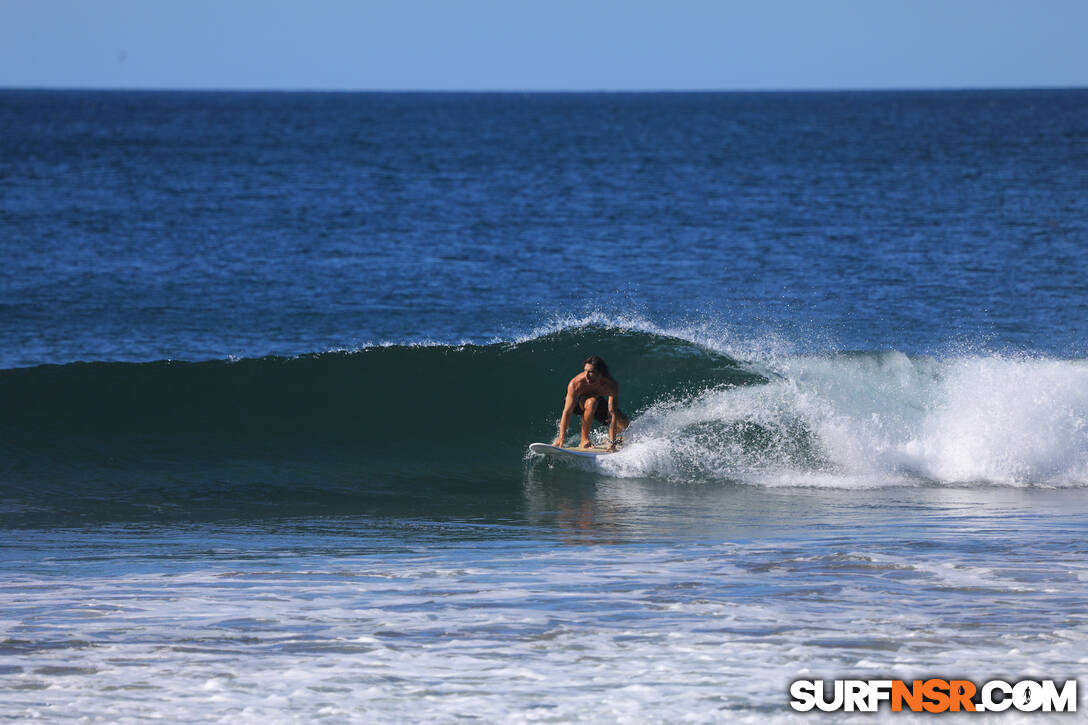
270,363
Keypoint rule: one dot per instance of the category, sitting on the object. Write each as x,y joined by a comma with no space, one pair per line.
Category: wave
390,412
323,425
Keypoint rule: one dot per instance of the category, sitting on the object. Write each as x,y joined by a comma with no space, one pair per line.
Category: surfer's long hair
597,362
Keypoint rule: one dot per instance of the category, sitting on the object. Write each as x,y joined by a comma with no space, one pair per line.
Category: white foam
620,633
876,419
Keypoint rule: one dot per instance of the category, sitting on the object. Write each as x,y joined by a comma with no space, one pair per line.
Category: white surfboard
547,449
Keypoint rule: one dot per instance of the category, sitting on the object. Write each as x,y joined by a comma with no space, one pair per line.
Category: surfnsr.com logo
934,695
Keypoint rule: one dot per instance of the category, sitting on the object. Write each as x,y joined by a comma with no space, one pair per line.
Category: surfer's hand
558,442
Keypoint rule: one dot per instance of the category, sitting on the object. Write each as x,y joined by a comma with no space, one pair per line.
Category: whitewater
877,419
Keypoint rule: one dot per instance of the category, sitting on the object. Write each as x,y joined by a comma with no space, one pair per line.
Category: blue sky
543,45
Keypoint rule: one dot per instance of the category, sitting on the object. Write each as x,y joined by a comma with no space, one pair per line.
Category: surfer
593,394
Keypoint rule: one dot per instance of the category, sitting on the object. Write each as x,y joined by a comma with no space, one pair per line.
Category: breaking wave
93,434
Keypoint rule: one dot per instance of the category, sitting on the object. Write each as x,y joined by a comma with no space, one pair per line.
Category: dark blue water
269,363
143,226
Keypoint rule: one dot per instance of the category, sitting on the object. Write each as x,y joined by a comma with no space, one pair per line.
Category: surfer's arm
564,420
612,410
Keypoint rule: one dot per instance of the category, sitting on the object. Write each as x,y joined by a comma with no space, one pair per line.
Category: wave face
279,431
399,414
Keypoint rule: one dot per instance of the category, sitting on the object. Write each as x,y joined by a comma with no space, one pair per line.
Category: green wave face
383,412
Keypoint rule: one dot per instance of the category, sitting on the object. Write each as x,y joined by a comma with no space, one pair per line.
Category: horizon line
539,91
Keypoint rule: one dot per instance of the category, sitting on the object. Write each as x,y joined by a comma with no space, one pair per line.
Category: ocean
270,364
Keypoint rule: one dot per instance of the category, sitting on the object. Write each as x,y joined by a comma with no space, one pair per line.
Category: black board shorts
600,414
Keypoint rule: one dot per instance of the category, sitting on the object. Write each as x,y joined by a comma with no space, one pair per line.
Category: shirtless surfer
593,394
